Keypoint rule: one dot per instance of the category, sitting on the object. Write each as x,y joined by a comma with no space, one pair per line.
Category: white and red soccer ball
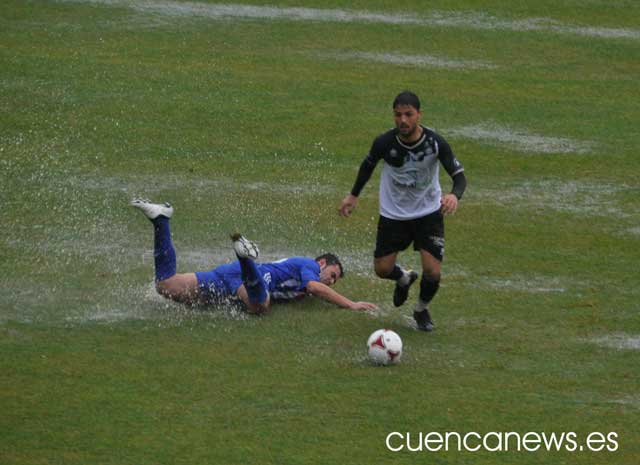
384,347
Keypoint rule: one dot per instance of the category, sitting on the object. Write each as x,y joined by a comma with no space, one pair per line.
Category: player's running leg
392,237
256,291
387,268
429,285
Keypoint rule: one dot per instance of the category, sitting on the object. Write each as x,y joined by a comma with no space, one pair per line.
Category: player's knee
258,309
165,289
161,288
382,270
172,290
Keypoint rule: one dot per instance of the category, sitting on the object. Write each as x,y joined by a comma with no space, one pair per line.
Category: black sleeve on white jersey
364,174
452,165
459,184
367,167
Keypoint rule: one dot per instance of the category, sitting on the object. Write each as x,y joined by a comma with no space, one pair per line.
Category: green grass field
255,118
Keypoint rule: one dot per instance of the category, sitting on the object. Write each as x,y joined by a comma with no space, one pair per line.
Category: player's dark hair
407,98
331,259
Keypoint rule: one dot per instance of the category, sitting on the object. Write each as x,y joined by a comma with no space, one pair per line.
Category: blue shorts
219,284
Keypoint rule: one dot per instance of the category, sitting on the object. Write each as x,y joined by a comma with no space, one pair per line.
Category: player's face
329,274
407,119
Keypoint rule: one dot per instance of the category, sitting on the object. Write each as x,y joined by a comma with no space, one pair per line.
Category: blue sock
252,281
163,252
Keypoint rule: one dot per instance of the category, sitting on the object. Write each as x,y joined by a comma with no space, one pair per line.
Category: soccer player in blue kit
412,204
255,285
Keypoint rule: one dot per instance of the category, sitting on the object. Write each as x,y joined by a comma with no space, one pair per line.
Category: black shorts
426,233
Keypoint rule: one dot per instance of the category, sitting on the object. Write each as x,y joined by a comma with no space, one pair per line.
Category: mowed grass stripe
470,20
420,61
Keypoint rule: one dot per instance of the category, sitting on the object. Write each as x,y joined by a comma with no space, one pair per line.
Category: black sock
428,289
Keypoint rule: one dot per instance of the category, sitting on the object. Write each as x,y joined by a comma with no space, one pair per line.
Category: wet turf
248,123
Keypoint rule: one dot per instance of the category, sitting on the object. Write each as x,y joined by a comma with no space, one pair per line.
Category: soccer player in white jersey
412,205
255,285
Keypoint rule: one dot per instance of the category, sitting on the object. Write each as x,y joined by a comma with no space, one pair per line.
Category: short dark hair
331,259
407,98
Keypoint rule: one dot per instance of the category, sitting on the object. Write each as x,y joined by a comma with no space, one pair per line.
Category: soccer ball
385,347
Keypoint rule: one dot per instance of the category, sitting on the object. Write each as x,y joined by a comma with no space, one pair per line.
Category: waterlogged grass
258,125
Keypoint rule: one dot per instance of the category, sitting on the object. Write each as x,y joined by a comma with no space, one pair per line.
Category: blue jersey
285,279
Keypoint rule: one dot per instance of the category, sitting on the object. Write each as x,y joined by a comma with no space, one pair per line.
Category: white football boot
243,247
152,210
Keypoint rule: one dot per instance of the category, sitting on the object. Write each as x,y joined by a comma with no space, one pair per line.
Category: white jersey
410,182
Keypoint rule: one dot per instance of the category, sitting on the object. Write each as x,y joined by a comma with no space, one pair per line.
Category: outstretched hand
364,306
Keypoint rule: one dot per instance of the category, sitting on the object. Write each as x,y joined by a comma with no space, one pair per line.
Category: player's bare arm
326,293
